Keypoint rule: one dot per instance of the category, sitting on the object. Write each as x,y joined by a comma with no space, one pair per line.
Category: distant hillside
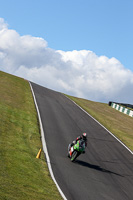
119,124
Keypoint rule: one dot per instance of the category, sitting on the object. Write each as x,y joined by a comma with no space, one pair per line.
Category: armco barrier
122,109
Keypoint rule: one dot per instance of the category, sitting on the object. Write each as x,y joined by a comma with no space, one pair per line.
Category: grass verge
119,124
22,176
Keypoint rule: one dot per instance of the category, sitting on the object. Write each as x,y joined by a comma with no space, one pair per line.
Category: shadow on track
95,167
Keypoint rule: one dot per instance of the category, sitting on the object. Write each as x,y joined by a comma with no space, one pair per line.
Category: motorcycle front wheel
74,156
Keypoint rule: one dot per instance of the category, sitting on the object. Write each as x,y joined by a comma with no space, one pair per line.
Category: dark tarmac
104,172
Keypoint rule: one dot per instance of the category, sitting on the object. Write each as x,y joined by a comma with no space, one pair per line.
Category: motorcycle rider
83,136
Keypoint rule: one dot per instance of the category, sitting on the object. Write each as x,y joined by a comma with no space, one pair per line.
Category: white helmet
84,135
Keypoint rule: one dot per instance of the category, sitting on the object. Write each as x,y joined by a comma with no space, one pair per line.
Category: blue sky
104,27
79,47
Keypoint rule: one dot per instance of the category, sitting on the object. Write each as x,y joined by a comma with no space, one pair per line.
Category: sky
82,48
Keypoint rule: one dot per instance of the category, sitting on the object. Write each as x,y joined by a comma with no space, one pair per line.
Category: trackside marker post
39,154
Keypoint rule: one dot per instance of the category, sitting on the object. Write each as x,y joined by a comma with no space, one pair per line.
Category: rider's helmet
84,135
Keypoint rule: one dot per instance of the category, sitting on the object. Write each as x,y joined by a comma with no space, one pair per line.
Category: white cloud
79,73
3,24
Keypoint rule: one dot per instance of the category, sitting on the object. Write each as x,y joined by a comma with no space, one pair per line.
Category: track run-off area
104,172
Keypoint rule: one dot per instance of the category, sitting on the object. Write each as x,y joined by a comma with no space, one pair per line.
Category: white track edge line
45,146
102,126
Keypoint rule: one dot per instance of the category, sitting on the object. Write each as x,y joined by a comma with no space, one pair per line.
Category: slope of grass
119,124
22,176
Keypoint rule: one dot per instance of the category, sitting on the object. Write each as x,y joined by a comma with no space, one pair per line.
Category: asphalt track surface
104,172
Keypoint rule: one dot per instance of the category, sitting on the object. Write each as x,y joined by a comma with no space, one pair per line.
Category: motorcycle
76,149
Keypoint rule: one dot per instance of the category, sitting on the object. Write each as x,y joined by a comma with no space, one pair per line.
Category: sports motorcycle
76,149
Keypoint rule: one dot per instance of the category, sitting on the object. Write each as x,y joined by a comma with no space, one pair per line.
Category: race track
104,172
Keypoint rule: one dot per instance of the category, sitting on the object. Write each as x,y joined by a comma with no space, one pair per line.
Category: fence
121,108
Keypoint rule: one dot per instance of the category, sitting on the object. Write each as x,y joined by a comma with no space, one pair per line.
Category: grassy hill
119,124
22,175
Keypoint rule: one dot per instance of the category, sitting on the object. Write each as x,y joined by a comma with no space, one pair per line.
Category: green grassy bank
22,175
119,124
